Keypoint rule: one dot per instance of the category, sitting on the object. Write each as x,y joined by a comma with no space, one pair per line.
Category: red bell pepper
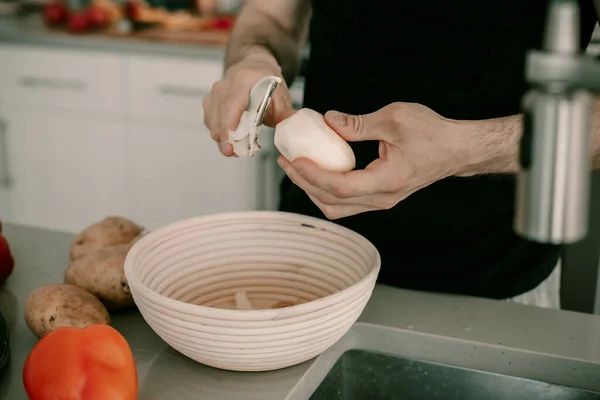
91,363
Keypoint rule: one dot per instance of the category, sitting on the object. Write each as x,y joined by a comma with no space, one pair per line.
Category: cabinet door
66,172
170,89
179,173
43,77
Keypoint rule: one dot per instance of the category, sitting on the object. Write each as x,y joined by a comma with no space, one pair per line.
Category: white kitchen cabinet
86,81
179,173
169,90
66,171
90,134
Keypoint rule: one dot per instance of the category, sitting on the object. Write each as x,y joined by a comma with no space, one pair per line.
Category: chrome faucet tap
553,185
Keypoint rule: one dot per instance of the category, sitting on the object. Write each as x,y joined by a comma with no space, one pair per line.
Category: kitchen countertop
42,256
29,30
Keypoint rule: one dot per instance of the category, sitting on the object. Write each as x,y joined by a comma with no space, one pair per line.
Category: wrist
257,58
465,146
488,146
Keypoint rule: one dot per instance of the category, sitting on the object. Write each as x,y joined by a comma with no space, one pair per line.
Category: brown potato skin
108,232
101,272
55,305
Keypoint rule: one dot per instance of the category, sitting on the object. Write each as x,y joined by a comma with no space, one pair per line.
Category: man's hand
228,99
416,148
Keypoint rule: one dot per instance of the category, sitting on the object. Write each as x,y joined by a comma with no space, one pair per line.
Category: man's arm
494,143
272,33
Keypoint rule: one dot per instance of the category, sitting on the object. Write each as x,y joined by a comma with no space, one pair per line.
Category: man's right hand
228,99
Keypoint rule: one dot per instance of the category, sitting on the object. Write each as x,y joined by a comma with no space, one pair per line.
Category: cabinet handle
37,82
4,172
182,91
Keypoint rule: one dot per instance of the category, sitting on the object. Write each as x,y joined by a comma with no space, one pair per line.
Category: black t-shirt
465,60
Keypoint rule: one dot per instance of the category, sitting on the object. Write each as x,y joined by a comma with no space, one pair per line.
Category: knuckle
397,114
341,192
215,136
217,86
223,136
328,211
394,185
387,203
325,199
398,183
358,123
245,76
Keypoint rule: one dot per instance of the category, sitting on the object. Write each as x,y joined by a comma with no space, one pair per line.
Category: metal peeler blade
245,138
265,101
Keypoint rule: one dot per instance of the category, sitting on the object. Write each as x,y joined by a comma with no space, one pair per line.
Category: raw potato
101,272
52,306
306,135
110,231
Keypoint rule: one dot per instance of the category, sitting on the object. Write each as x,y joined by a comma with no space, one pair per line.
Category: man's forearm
271,34
493,144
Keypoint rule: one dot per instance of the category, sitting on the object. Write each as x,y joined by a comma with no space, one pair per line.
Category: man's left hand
416,148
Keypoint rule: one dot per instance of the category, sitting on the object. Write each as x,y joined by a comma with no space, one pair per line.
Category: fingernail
336,117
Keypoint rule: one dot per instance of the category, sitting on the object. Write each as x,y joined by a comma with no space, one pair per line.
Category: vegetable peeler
245,138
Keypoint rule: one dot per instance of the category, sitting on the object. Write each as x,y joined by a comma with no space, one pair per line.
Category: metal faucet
553,185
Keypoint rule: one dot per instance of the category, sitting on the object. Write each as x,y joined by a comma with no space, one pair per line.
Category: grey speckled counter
555,346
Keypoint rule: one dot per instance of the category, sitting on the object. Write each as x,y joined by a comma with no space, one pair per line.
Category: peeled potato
101,272
52,306
306,135
110,231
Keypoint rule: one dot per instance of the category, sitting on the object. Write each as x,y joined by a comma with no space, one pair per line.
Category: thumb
353,128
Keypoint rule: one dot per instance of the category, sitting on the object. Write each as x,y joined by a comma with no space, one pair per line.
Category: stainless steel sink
381,363
359,375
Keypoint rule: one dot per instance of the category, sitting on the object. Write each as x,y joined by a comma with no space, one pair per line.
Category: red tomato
7,262
97,17
223,24
92,363
79,23
55,13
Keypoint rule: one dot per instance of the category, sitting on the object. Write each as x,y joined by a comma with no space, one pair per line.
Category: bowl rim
251,315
